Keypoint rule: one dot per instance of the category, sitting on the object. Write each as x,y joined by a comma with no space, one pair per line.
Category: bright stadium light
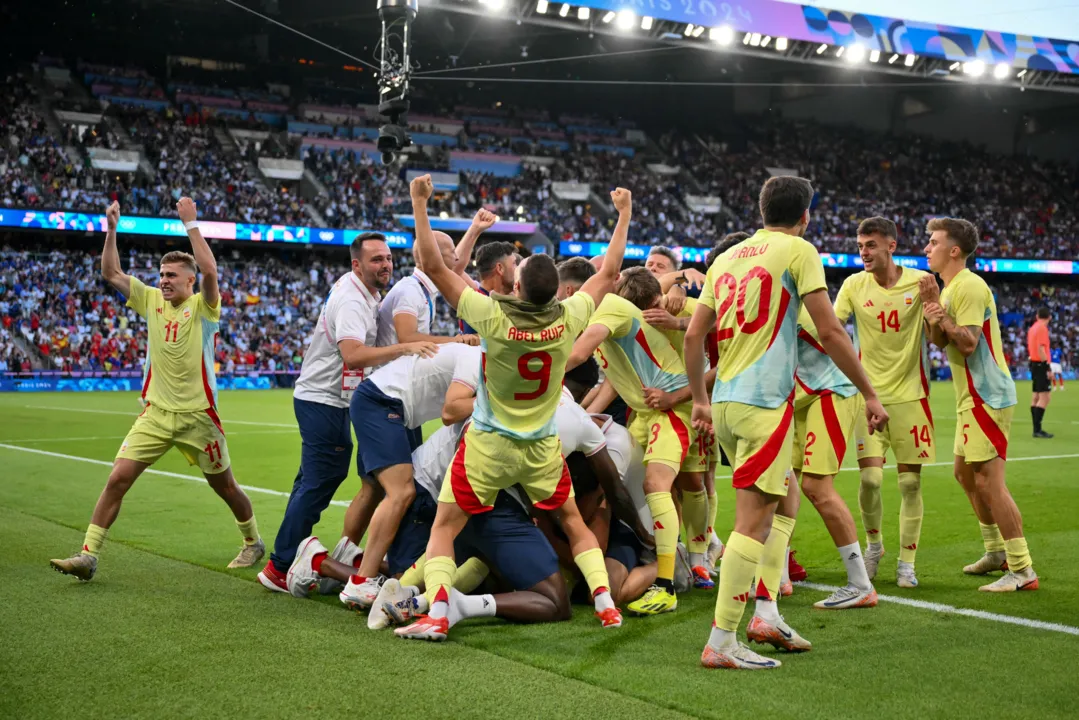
1001,71
564,10
874,56
893,58
698,31
541,7
1021,73
755,39
822,48
494,5
689,30
724,34
840,51
975,68
954,66
609,16
583,13
626,19
909,60
856,54
766,41
745,39
781,44
646,23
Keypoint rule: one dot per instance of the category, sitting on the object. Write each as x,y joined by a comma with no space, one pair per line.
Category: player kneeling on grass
963,320
179,390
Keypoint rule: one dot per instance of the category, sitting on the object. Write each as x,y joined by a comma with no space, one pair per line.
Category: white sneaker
904,575
848,597
301,577
871,557
990,562
1025,579
712,555
361,596
391,594
777,634
683,573
736,657
344,552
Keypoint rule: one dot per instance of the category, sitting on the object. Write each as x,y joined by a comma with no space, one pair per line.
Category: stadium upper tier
81,137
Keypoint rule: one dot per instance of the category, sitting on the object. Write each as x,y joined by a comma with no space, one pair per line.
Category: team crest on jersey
861,446
908,299
187,313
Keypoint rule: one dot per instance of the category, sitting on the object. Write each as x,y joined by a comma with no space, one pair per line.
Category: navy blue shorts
623,546
509,543
382,439
415,437
413,533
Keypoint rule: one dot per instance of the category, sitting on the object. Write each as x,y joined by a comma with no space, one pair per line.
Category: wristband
191,225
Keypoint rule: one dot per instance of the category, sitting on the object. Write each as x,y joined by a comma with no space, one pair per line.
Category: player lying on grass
963,321
752,296
179,389
526,339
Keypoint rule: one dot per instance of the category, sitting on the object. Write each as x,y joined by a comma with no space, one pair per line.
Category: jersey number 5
542,374
736,290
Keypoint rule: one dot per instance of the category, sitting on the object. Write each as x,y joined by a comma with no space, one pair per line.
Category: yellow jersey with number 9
525,349
756,290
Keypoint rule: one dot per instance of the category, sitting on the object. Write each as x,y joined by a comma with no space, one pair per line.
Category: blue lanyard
430,306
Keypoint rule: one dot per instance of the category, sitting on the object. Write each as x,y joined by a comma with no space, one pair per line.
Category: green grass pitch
165,631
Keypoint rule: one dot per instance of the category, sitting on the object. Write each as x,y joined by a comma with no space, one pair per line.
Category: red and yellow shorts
822,427
197,435
981,433
668,438
758,442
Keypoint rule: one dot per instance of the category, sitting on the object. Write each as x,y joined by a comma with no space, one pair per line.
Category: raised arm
603,281
586,344
448,282
482,222
204,257
836,342
110,256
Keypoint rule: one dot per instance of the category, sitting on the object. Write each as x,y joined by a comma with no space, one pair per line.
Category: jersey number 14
889,321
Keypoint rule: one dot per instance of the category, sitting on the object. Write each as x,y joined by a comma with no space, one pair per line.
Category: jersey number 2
542,374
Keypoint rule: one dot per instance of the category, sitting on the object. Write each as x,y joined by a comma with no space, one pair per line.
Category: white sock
464,606
785,578
875,546
851,555
603,601
767,610
721,639
412,590
696,559
439,609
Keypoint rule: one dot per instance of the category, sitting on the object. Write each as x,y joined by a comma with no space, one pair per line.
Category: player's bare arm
661,319
448,282
482,222
662,400
603,281
963,337
407,327
622,504
932,313
680,279
110,256
703,320
602,399
836,342
358,356
204,256
457,406
586,344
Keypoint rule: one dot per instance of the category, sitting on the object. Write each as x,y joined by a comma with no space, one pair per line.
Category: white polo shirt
414,295
349,313
421,383
576,429
430,460
628,457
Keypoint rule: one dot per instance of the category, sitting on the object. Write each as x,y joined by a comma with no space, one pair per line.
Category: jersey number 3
542,374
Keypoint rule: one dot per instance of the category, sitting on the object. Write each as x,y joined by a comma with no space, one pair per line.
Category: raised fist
112,215
421,188
187,210
622,199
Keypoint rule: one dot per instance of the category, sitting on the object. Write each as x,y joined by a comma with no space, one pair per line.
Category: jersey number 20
738,290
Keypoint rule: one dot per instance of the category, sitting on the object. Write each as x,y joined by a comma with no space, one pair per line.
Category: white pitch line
949,464
193,478
132,415
232,433
966,612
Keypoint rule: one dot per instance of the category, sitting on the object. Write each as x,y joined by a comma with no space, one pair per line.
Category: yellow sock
774,557
1018,555
695,515
869,503
414,575
739,567
665,528
910,515
994,541
95,538
438,574
469,575
250,530
713,511
594,570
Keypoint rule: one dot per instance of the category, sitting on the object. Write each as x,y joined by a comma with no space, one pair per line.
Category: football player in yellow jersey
635,356
526,339
889,335
826,406
963,321
752,296
179,390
